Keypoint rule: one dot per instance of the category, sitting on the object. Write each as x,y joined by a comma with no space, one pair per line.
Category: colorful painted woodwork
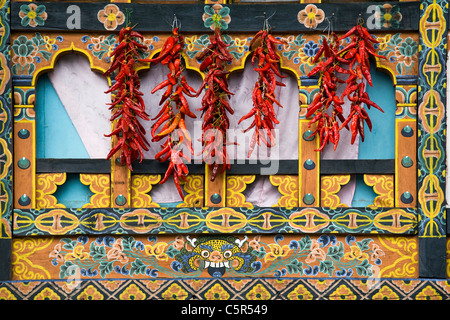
123,245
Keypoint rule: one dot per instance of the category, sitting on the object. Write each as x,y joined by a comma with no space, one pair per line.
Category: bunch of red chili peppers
263,95
127,104
215,103
356,55
171,117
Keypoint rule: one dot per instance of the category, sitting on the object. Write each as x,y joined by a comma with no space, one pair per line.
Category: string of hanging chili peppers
263,95
215,103
356,55
127,104
171,117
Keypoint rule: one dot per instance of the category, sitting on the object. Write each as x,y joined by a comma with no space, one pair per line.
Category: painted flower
383,42
49,43
158,251
388,16
190,42
258,292
216,16
407,51
77,254
276,251
311,16
111,17
376,252
311,48
32,15
356,253
316,253
308,52
217,292
56,254
23,49
116,252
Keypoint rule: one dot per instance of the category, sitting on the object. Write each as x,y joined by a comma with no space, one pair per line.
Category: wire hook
176,23
266,24
329,27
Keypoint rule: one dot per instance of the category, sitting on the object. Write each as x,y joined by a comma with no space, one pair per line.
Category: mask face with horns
216,254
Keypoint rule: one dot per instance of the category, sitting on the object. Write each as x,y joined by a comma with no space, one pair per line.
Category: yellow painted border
71,49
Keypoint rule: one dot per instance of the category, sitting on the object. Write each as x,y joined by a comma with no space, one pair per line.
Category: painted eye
227,254
205,253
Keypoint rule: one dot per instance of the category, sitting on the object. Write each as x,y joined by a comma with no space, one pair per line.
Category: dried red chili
263,95
357,56
215,105
127,103
171,118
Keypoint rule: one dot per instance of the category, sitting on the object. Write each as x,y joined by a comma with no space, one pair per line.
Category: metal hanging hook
329,27
360,20
176,23
266,24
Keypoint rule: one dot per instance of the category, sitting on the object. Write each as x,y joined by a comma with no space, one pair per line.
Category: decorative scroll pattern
236,184
141,186
194,187
206,256
46,185
215,220
99,184
431,118
288,187
383,186
329,187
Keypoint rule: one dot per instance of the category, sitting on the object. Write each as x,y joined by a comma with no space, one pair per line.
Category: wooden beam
159,17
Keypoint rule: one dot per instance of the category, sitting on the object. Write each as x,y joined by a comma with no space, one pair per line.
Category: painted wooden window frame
427,218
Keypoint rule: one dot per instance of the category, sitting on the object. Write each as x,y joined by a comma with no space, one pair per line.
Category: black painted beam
73,165
245,17
357,166
237,167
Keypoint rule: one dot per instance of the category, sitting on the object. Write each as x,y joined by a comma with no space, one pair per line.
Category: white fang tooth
206,264
227,264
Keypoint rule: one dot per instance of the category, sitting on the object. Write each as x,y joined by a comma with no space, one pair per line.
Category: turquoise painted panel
73,194
56,136
364,194
380,143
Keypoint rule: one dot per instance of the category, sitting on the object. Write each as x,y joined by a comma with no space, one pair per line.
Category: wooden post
215,191
309,160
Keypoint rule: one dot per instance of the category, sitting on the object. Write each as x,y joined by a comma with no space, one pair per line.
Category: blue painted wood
73,194
380,143
56,136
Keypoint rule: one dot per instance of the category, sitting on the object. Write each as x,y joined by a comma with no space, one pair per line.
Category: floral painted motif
219,256
216,16
311,16
111,17
388,16
302,52
402,51
27,52
103,46
237,47
32,15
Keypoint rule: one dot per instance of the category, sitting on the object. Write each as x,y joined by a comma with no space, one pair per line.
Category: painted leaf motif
209,10
97,252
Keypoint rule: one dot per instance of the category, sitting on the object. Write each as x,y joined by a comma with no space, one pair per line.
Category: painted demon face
216,255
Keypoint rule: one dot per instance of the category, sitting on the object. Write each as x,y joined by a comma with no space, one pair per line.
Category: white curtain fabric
82,94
